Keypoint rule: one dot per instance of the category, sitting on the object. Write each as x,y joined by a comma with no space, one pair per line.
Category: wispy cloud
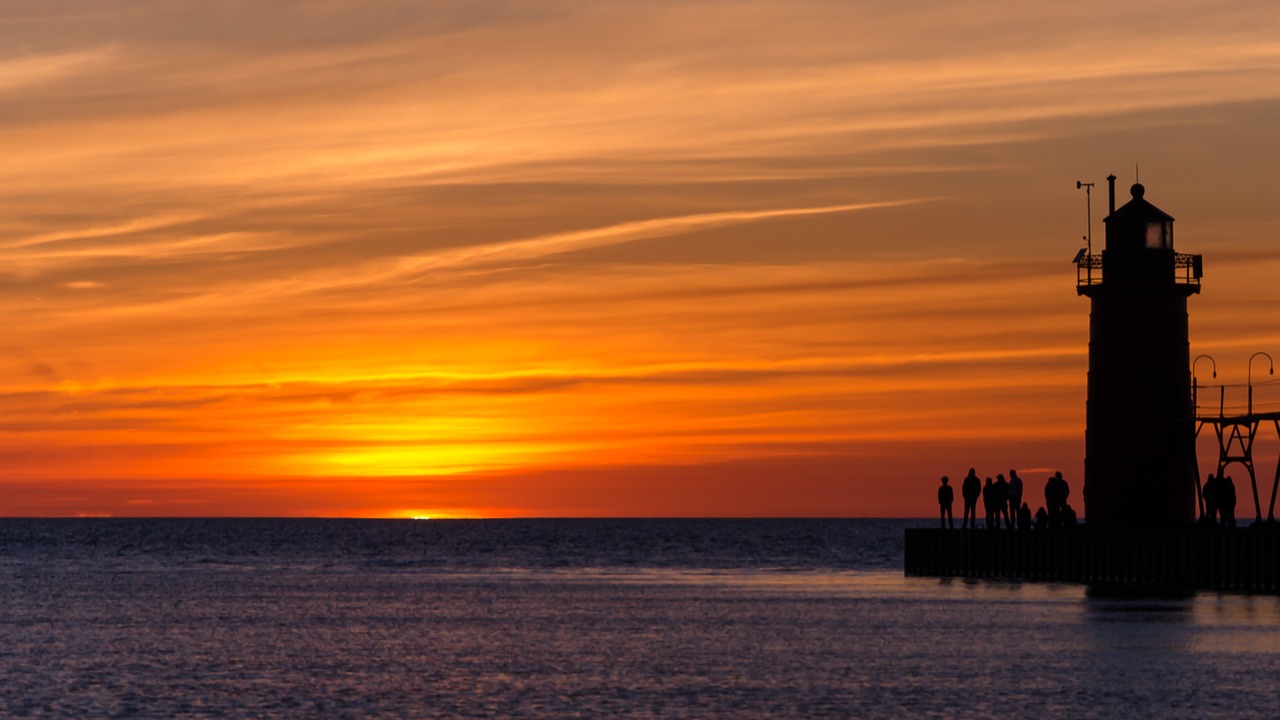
24,71
544,245
106,232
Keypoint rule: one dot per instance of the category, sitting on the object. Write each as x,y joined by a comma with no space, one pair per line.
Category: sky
698,258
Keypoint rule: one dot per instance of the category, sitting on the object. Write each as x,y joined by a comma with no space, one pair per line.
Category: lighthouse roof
1138,209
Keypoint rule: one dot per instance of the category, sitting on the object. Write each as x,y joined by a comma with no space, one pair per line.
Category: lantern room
1139,250
1139,225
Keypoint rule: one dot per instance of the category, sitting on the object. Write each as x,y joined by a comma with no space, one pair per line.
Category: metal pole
1088,228
1195,383
1271,370
1275,484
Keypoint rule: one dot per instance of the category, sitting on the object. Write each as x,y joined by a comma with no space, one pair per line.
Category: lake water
587,618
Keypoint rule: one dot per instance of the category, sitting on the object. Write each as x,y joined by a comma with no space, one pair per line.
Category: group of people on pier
1003,504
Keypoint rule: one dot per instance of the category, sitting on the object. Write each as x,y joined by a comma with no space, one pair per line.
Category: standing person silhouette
1001,497
1051,501
1015,493
1210,493
945,496
1064,491
989,504
1056,492
1227,501
970,489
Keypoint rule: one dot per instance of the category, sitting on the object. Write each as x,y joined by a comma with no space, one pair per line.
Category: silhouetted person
989,503
970,489
1051,498
1056,491
1068,516
1064,489
1001,496
1042,518
1024,517
1227,501
1014,493
1210,493
945,496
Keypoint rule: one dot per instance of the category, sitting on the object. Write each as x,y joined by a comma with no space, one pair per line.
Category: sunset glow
482,259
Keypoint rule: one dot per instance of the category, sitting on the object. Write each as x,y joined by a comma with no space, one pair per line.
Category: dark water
586,618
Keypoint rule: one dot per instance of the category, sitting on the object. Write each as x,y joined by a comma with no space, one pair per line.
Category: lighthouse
1140,473
1140,465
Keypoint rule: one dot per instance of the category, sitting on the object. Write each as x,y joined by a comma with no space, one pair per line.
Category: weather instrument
1088,220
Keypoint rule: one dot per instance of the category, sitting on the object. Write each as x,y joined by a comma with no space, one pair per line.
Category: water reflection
1237,624
1138,592
1143,611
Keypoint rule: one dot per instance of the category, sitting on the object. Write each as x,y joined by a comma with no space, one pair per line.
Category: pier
1200,558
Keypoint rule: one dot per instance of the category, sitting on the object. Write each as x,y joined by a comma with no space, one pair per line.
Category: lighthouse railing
1188,268
1088,270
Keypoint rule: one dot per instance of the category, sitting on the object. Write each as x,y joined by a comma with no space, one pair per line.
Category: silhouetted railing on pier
1231,401
1207,558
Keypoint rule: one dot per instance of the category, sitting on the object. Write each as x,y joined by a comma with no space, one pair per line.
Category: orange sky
567,258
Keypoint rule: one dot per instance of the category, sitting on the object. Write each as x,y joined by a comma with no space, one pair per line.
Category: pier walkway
1205,558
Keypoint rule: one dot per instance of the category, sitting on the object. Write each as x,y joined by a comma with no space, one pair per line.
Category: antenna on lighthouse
1088,215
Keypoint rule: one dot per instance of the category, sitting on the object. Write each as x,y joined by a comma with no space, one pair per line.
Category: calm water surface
647,618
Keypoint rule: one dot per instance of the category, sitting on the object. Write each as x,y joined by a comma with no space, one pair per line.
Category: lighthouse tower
1140,466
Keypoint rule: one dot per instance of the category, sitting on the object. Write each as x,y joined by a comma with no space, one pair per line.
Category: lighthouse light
1159,236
